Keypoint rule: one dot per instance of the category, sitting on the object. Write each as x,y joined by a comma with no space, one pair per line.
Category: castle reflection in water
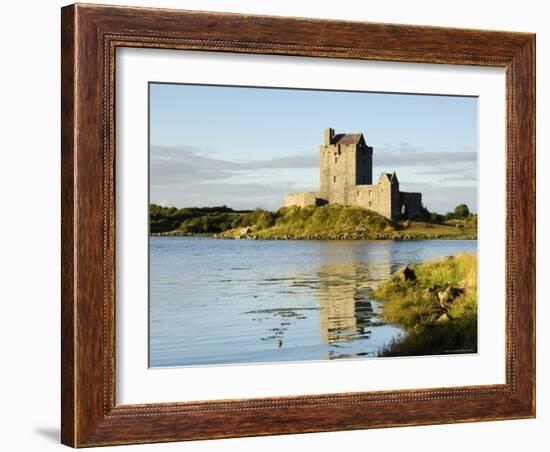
345,310
345,307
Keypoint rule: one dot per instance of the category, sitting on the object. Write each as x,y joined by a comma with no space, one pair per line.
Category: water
253,301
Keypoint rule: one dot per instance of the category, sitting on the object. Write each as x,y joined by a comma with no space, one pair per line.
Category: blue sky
247,147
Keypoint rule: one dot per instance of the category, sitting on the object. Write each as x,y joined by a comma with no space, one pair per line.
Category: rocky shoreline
340,236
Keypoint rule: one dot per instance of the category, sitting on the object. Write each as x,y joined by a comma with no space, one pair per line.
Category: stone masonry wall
381,198
337,173
301,199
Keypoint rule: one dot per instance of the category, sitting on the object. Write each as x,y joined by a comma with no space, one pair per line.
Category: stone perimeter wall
374,197
305,198
381,198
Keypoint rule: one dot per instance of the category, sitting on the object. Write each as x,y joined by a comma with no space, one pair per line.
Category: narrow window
335,159
370,193
370,203
334,179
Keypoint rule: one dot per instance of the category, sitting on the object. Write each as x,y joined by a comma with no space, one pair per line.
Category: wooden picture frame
90,36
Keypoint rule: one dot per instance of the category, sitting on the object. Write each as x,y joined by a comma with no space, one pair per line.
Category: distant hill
193,220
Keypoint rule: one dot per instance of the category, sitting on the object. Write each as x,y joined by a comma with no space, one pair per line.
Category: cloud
238,196
170,161
185,164
439,175
407,155
442,199
185,175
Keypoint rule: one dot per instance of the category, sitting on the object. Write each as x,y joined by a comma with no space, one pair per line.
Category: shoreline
330,222
342,236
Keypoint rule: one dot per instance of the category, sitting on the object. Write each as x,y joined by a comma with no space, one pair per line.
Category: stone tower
345,162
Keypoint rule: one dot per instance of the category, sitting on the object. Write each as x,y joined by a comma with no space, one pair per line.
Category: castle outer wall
304,198
380,198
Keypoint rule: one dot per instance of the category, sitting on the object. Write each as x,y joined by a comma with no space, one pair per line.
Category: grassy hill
344,222
328,222
331,221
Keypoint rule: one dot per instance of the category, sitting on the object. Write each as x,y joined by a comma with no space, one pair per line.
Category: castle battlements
346,179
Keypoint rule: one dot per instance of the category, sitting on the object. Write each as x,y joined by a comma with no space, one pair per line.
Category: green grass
325,221
415,305
329,222
452,228
342,222
459,336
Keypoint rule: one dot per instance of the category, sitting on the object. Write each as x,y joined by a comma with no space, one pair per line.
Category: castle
346,179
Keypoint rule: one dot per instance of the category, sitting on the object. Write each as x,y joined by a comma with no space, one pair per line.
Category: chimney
329,135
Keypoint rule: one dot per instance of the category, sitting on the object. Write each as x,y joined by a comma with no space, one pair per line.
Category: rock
444,317
427,295
405,273
447,296
245,231
360,228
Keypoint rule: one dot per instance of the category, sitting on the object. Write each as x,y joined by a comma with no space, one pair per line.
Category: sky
246,147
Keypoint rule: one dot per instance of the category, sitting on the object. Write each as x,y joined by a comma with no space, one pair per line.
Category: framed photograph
281,225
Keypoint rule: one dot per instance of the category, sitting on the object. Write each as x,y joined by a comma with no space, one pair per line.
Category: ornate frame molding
90,36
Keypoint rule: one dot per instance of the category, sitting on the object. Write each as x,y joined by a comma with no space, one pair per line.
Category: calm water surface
247,301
